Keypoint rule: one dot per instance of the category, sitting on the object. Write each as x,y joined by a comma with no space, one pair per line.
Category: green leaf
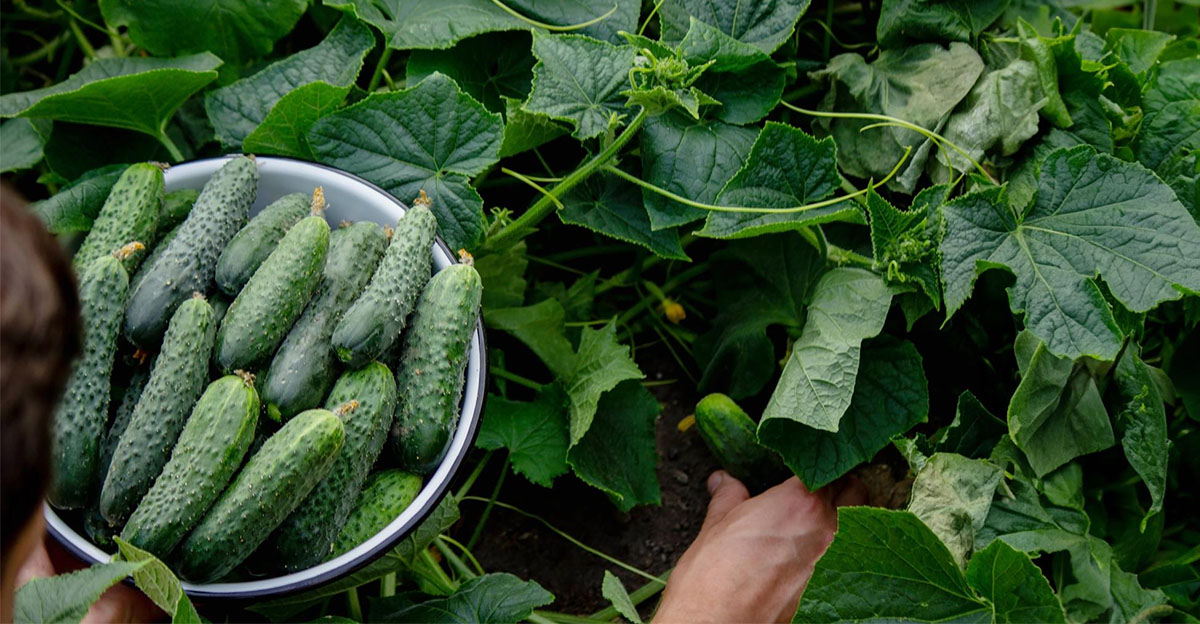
786,168
159,584
285,129
614,591
617,454
135,93
491,598
440,519
66,597
903,22
920,84
613,207
534,433
22,140
579,79
431,136
235,30
887,565
765,282
599,365
1168,140
1092,215
506,74
691,158
746,96
1144,422
763,24
890,397
1057,413
952,495
973,432
847,307
1138,49
246,106
524,130
76,205
439,24
540,327
998,115
1013,585
73,149
903,243
1185,373
503,277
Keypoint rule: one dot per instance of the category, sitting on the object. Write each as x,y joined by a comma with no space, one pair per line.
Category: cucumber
176,381
119,421
129,214
261,315
161,246
365,399
98,529
186,264
384,496
79,419
376,319
273,483
305,367
730,434
253,243
432,363
208,452
220,306
175,208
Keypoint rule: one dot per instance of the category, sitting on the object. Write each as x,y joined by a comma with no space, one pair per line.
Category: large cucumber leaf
579,79
131,92
764,24
617,454
535,434
1093,216
235,30
613,207
67,597
491,598
241,108
429,137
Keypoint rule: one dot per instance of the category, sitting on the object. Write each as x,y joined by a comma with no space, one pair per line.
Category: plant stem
555,27
483,517
455,561
517,379
353,605
657,6
387,586
540,619
440,576
562,534
828,26
46,50
554,617
380,66
84,44
172,149
637,597
465,551
523,225
670,285
466,486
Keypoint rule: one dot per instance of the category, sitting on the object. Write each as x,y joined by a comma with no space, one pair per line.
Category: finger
853,493
726,492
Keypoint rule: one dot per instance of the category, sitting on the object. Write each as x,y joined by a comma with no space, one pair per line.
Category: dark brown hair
39,336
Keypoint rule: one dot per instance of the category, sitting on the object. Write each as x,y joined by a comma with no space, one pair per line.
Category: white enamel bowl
353,199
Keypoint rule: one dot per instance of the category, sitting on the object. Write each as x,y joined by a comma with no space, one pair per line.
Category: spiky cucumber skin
119,421
176,381
376,319
306,537
261,315
187,263
254,242
79,420
175,208
209,450
129,214
432,363
731,435
305,367
273,483
384,496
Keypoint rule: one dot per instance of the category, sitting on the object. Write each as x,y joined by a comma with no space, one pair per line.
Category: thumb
727,492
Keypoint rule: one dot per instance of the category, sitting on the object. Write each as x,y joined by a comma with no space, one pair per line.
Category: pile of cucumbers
231,412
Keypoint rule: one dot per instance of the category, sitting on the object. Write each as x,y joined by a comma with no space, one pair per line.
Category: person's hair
39,336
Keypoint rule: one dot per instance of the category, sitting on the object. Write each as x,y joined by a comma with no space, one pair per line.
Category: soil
650,538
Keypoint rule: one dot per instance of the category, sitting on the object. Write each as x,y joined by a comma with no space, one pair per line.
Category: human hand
121,603
754,556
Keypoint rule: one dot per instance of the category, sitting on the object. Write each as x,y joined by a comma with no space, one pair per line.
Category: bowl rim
66,536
